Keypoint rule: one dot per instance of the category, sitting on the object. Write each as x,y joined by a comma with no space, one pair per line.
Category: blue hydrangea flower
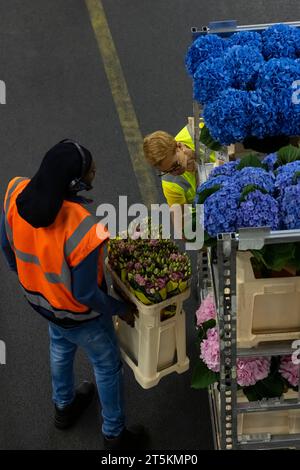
286,176
220,211
220,180
210,80
246,38
277,110
290,207
266,118
203,48
270,161
228,118
227,169
280,41
243,62
277,75
258,210
254,176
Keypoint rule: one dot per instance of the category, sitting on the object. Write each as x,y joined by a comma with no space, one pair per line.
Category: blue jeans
98,339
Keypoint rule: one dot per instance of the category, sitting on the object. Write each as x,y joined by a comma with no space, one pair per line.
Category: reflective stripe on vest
78,235
63,278
60,300
176,179
40,301
189,187
6,207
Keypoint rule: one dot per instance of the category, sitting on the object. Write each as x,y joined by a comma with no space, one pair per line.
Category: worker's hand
129,316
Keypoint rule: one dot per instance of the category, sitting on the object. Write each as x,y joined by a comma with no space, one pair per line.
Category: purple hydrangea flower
220,211
286,175
270,161
258,210
290,207
227,169
220,180
254,176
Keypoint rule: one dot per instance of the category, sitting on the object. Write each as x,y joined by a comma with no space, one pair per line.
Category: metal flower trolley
227,410
244,317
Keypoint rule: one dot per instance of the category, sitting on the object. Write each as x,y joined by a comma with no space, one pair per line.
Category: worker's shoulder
74,208
15,180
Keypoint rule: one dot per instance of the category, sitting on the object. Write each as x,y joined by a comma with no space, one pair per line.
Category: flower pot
262,306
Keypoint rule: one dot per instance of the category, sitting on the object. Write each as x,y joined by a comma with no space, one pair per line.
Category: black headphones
77,184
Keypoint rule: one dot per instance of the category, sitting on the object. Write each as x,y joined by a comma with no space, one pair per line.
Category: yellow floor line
123,103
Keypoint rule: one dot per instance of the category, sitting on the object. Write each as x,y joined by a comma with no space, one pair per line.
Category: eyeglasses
173,168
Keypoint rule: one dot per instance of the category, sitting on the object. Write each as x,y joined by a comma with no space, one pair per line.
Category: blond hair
158,146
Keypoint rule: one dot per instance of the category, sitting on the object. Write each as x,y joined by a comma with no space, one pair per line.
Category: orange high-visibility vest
45,255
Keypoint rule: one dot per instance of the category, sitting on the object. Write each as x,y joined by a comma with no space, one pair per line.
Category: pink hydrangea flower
289,371
251,370
210,350
206,311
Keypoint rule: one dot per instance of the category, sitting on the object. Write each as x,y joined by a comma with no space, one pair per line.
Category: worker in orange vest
55,246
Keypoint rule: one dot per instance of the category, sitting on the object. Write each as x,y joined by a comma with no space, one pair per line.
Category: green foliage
288,154
250,160
271,387
277,257
207,140
249,189
209,241
296,177
203,377
207,192
203,329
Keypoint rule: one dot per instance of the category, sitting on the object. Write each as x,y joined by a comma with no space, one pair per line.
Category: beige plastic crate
266,422
153,348
267,309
